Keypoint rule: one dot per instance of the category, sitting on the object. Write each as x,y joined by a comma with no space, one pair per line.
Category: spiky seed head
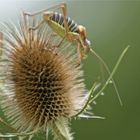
42,84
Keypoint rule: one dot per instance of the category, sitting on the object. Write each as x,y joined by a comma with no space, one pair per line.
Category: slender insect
67,28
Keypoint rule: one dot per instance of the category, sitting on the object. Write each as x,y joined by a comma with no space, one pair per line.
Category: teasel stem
61,130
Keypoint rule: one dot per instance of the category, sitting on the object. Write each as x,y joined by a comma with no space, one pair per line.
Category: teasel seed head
41,84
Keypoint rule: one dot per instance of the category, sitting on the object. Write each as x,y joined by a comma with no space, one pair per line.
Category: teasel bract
41,84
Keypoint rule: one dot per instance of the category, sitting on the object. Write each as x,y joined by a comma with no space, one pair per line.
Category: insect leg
79,54
61,42
63,6
55,7
80,47
64,10
84,49
37,26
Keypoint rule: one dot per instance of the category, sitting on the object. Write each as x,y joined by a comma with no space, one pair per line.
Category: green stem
87,102
108,70
90,98
112,73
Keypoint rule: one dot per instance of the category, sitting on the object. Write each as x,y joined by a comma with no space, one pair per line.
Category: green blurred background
111,26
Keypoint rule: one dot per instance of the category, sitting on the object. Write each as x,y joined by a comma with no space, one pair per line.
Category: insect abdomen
59,18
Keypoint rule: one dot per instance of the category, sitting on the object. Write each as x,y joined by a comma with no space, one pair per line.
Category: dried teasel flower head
42,84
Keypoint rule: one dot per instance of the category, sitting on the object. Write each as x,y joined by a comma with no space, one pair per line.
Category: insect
65,27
